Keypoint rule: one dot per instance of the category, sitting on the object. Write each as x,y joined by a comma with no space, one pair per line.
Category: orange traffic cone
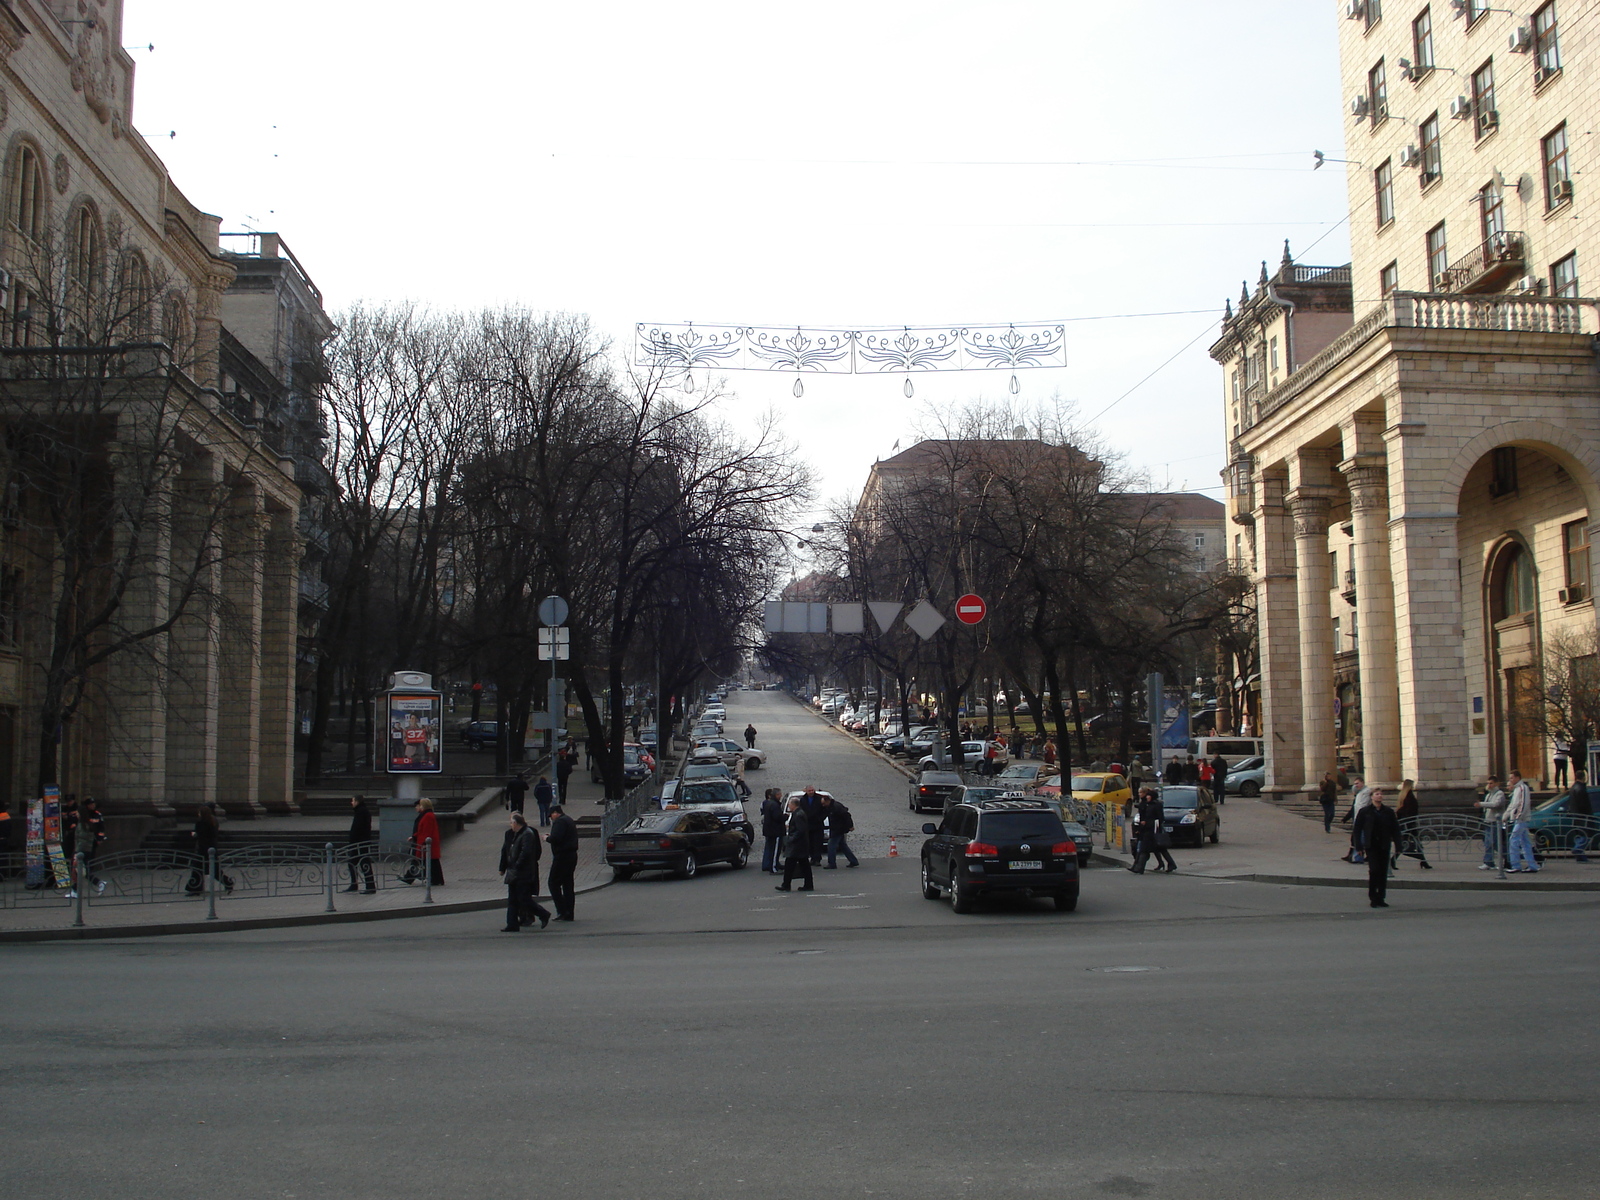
894,850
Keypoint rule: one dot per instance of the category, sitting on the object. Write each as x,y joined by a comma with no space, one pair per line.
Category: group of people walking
797,834
519,868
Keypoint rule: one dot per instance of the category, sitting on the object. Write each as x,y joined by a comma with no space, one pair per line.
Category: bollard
77,892
427,871
1500,846
211,884
327,872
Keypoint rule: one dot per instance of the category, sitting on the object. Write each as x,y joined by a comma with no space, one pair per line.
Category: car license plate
1026,865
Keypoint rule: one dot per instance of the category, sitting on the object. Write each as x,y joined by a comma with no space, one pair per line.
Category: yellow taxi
1101,787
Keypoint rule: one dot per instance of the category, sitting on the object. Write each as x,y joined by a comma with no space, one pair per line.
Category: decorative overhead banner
681,349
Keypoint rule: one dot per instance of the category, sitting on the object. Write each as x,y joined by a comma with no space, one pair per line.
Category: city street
1175,1037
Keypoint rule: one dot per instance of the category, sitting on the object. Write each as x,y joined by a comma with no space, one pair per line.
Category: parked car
676,841
992,847
637,764
1022,775
921,741
1191,816
1234,749
1099,787
707,770
1555,828
1048,787
480,734
971,756
935,789
716,796
1247,778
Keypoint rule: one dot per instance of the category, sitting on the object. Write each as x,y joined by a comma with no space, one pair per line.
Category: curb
1418,885
98,932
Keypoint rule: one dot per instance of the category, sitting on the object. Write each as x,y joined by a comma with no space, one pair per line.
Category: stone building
150,548
1413,495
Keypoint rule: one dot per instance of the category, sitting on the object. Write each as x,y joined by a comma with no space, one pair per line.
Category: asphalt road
1175,1037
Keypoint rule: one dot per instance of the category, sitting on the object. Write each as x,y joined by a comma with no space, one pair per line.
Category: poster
415,720
38,871
1175,722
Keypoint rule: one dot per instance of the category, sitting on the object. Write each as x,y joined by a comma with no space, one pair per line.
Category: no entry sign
970,609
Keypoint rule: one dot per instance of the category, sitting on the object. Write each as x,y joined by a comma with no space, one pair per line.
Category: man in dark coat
358,849
839,823
1219,779
1578,806
771,830
1173,773
1378,832
519,867
517,792
797,847
91,832
1191,772
564,764
563,839
545,796
750,736
812,803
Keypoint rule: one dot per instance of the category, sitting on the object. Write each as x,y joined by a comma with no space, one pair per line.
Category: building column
1309,507
1366,472
193,655
1278,627
239,709
279,650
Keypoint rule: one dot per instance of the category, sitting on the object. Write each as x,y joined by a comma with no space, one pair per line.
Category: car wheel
621,874
690,867
930,889
738,861
752,764
960,898
1249,788
1066,901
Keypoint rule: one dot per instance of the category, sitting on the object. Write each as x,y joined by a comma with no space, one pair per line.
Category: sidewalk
1263,844
470,860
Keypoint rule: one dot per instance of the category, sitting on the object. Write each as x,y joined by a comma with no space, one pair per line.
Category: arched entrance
1512,600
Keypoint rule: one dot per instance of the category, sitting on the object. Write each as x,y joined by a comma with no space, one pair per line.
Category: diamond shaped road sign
925,620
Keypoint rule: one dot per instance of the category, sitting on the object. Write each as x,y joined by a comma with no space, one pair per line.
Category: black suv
935,789
990,846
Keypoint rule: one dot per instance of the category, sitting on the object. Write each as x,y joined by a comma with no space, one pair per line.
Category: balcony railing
1501,257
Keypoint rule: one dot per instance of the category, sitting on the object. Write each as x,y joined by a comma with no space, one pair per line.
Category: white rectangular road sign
555,644
848,618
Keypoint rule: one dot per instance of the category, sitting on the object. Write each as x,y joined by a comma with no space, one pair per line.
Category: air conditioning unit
1410,157
1356,10
1530,285
1573,594
1460,109
1521,41
1360,107
1489,118
1560,191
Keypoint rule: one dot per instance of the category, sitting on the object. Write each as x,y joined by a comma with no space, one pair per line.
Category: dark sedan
935,789
676,841
1189,814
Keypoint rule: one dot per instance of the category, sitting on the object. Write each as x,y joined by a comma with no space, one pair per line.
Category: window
1476,10
1546,48
21,315
1272,353
1432,154
1564,277
1422,44
1389,280
28,194
1557,182
1503,471
1438,257
1575,549
135,299
1236,386
1199,542
87,251
1484,117
10,604
1516,592
1378,94
1373,13
1491,212
1383,184
1337,646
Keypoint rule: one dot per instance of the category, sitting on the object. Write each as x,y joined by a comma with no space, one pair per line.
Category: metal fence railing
176,876
642,798
1457,835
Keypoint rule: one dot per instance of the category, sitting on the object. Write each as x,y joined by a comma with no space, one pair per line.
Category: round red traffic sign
970,609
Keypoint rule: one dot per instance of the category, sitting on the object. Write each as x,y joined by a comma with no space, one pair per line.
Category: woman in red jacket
424,828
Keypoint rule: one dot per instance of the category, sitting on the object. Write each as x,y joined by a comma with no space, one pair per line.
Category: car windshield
1180,798
1020,771
983,793
630,756
705,771
1075,831
652,823
1019,827
706,791
1086,783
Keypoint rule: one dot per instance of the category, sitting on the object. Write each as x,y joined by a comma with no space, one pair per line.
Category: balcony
1489,268
313,591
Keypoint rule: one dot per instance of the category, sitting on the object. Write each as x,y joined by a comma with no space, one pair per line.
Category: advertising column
411,746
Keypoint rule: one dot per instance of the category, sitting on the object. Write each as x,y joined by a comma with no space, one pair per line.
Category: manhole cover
1123,970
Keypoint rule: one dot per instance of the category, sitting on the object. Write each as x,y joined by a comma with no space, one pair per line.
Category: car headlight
1186,819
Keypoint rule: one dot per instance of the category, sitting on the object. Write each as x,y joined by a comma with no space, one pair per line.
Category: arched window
175,324
1515,593
88,250
28,199
135,305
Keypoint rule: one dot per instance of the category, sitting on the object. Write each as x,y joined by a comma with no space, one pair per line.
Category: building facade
1414,499
151,547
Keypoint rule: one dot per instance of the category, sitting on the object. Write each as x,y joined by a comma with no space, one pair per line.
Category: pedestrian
563,839
91,832
1519,805
544,796
206,835
519,867
838,822
812,803
1135,773
588,752
1407,809
1380,835
425,845
1155,817
1191,772
358,846
750,737
1047,754
1561,757
1173,775
1219,778
1328,794
516,793
1363,796
771,830
1494,807
564,764
1581,812
796,847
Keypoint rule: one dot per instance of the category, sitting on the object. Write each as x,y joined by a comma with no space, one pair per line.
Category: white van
1234,749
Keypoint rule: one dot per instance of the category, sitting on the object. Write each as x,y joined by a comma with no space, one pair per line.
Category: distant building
1199,525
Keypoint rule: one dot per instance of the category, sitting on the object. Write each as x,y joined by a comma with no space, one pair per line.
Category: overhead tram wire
1209,328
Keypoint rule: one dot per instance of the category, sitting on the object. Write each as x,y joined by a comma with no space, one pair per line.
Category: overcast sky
845,164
